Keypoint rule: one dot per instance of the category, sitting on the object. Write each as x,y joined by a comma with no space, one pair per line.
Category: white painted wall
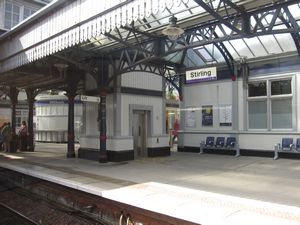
142,80
207,93
220,92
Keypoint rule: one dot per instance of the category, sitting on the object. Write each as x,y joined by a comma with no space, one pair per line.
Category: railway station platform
206,189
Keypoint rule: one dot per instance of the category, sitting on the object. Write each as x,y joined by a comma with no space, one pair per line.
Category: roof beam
227,18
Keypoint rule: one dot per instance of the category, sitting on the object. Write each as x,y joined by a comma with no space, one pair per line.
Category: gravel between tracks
39,210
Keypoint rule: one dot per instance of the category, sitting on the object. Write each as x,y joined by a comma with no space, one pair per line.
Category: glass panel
270,44
282,113
15,23
286,42
26,13
294,9
256,46
8,7
257,114
7,24
16,9
231,50
8,16
281,87
267,19
219,32
226,29
257,89
174,57
205,54
241,48
192,59
215,52
15,18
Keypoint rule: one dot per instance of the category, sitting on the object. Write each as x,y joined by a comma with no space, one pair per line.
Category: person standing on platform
23,133
175,131
7,136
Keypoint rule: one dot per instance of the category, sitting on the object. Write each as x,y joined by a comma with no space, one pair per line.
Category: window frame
268,98
11,19
32,11
21,12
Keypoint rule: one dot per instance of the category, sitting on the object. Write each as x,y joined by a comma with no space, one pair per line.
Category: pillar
13,94
102,126
71,144
74,75
31,94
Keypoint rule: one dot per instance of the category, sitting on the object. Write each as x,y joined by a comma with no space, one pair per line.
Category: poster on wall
190,118
225,115
207,115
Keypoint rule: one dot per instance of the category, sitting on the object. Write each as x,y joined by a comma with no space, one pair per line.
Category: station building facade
258,109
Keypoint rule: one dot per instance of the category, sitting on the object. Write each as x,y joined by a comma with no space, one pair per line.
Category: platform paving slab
189,175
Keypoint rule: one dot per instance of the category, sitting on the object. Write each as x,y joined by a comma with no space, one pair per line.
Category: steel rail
19,214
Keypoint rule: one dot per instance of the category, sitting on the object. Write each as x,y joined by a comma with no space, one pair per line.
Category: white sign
190,118
225,115
199,75
86,98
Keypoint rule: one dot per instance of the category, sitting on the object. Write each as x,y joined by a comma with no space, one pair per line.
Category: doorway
139,132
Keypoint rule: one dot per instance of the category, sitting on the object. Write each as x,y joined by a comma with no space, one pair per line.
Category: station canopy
130,32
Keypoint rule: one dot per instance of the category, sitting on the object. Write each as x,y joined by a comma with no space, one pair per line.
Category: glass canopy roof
187,13
253,47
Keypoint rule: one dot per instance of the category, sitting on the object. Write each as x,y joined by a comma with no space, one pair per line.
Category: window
257,89
27,12
282,113
15,13
270,104
281,87
12,15
258,114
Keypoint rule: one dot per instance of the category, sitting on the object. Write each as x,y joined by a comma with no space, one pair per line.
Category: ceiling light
173,31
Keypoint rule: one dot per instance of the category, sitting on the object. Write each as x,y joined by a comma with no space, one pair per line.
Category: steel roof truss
231,11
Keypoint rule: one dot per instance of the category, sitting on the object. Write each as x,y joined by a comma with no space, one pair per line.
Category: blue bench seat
220,144
287,145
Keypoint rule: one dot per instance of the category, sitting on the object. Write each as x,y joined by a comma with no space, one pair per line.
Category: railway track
53,204
19,206
9,216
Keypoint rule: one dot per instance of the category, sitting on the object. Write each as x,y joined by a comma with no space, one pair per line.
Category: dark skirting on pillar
112,156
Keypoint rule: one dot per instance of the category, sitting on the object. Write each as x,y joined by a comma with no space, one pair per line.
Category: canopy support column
31,94
13,94
102,121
